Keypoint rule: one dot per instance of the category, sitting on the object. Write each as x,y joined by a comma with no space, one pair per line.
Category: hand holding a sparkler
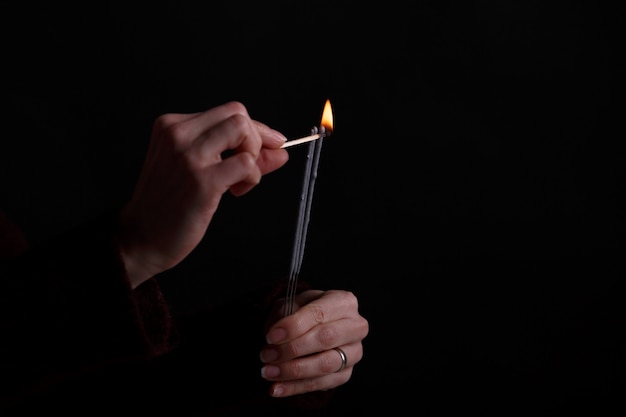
316,347
183,178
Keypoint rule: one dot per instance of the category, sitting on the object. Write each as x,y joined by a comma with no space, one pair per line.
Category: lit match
325,129
301,140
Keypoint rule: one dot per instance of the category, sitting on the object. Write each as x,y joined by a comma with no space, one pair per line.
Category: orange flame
327,118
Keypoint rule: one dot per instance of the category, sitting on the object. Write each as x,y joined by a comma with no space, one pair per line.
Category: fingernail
268,355
276,335
280,136
270,371
277,136
278,391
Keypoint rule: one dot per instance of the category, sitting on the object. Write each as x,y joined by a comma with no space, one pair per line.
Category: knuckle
239,121
169,123
162,121
327,336
350,299
175,133
364,326
247,161
310,385
317,314
236,107
327,364
295,370
294,349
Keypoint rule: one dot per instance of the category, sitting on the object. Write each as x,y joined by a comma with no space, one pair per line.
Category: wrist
133,257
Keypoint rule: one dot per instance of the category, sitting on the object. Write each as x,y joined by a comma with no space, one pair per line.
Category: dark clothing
77,339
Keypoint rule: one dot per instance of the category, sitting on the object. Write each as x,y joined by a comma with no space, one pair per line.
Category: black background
470,194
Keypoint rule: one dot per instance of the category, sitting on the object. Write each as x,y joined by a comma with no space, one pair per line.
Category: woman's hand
183,179
306,350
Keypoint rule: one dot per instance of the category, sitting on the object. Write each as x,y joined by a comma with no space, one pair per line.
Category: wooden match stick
301,140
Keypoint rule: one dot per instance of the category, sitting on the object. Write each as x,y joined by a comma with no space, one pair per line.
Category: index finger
318,307
271,138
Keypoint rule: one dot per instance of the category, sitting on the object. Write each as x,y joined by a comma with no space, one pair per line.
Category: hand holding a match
182,181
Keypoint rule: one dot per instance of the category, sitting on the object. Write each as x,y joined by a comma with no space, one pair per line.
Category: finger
321,338
317,308
234,133
310,366
272,156
239,173
272,159
192,125
305,297
302,386
300,299
204,121
272,138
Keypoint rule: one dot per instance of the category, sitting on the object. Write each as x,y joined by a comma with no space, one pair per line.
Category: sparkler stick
315,141
304,215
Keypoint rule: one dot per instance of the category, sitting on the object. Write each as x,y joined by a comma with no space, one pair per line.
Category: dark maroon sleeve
66,309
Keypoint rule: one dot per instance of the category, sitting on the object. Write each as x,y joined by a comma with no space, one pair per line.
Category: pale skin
299,356
182,181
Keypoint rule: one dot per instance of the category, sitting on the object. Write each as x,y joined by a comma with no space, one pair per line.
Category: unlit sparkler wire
304,215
